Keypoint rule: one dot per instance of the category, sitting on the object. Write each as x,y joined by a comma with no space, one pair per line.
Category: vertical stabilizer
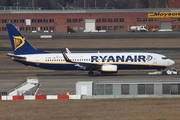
20,44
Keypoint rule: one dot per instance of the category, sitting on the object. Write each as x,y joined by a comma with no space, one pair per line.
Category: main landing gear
90,73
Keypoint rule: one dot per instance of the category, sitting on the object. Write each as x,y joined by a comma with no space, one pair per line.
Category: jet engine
109,68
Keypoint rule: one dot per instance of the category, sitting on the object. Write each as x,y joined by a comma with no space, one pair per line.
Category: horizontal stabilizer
15,56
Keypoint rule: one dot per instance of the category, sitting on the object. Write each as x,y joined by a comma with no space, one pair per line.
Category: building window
39,28
4,28
21,20
125,89
109,19
115,19
33,28
15,20
149,88
108,89
100,89
156,19
121,27
173,19
39,20
121,19
156,27
51,20
104,20
68,20
98,20
166,88
45,20
98,27
141,89
74,20
28,28
175,89
45,28
103,27
21,28
150,19
110,27
51,28
33,20
9,21
80,20
179,27
81,28
144,19
115,27
75,28
139,20
4,21
174,27
150,27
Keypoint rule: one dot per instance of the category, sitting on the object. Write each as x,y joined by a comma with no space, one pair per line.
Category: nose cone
171,62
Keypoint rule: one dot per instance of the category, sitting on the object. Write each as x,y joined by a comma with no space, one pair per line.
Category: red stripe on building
0,97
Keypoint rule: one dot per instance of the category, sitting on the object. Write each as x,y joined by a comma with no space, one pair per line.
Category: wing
84,65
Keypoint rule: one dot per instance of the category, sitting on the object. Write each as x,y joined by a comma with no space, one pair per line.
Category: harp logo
18,42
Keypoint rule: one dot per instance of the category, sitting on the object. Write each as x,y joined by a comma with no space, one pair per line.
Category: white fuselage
122,60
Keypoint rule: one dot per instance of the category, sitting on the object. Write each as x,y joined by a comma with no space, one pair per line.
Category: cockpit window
164,58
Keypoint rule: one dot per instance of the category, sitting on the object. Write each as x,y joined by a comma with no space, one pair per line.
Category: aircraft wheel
164,73
90,73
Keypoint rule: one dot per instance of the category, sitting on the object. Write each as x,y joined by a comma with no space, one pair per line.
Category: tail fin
20,44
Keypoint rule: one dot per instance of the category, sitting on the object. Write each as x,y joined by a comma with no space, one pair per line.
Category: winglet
67,50
66,57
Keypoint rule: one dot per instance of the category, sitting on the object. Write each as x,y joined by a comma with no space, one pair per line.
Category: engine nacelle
109,68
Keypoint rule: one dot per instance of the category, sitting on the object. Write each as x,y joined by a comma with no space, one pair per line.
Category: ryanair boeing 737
26,54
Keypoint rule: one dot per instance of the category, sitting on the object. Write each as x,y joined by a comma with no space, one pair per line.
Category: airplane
26,54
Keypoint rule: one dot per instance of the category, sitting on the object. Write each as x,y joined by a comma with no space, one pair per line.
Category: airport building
88,20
